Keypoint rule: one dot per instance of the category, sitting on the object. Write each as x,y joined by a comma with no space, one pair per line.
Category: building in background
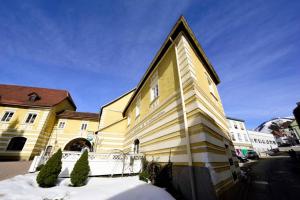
27,117
294,127
280,128
74,131
239,136
262,142
296,113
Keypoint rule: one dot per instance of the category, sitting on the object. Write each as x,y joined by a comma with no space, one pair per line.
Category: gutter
186,130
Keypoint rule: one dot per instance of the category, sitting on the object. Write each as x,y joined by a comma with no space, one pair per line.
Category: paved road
12,168
275,178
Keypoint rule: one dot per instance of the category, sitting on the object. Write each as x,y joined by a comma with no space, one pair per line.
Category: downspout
186,130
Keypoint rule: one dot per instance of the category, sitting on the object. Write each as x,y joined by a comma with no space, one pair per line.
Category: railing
100,163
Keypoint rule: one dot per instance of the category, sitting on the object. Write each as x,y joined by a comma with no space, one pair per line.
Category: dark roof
68,114
16,95
180,26
235,119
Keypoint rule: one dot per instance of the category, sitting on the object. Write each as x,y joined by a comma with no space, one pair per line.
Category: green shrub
40,167
48,175
80,171
144,176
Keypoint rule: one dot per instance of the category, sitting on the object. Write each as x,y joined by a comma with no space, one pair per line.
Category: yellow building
27,116
73,131
175,113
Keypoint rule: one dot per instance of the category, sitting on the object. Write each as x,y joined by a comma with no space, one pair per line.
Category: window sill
154,100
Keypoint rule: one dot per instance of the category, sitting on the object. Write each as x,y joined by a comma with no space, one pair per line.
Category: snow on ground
120,188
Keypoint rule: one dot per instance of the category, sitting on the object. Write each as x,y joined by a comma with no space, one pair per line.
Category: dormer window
33,97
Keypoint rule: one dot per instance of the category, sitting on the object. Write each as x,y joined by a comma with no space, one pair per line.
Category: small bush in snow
144,176
80,171
48,175
40,167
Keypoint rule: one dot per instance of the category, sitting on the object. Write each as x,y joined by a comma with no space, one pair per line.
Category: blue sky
98,50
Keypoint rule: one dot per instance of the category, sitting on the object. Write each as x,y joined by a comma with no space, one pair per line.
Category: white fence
100,164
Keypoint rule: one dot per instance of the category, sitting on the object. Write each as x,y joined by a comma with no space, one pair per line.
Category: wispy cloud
100,49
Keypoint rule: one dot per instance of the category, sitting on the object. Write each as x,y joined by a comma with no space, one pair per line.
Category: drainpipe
186,130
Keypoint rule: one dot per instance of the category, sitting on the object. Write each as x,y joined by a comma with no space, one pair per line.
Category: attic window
33,97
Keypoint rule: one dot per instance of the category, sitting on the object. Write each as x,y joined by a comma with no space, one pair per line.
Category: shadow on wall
15,143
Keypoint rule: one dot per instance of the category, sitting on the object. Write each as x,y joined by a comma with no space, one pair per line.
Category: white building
239,136
262,142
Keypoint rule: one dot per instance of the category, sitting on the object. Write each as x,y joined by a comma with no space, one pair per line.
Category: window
83,126
128,120
7,116
246,138
33,97
210,84
48,150
241,125
61,125
154,92
232,137
16,144
235,125
138,106
30,118
136,148
239,136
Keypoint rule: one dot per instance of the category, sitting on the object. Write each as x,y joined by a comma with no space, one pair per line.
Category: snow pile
264,127
120,188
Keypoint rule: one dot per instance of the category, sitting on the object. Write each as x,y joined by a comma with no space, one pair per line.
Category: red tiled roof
68,114
19,95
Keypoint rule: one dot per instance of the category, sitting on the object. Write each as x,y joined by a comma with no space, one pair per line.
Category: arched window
16,144
48,150
78,144
136,148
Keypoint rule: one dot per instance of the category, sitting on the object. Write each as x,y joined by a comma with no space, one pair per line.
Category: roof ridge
24,86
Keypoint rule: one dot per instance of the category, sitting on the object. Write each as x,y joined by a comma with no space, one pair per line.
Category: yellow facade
159,124
60,137
37,133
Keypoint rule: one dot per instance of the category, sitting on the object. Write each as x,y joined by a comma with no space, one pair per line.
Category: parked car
242,159
252,155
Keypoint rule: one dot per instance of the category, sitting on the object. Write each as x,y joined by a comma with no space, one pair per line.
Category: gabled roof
68,114
180,26
15,95
113,101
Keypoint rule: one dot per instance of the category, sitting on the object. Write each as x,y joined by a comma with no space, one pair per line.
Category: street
271,178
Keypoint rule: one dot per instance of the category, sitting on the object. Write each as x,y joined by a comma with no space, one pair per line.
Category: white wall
262,142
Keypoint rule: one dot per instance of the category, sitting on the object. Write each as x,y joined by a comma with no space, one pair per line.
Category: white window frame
60,122
7,117
154,87
210,85
128,120
242,125
30,120
86,126
138,107
239,136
